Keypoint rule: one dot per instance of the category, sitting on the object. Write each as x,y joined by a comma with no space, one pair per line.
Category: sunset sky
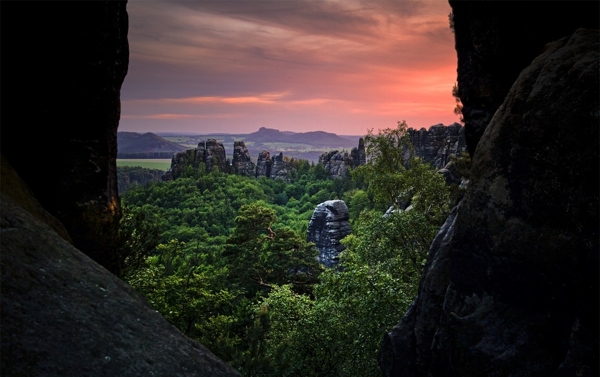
340,66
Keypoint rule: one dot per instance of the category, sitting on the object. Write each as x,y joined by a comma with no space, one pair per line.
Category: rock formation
328,225
358,155
336,163
280,168
209,155
263,164
495,40
242,163
66,63
437,144
510,287
64,315
212,154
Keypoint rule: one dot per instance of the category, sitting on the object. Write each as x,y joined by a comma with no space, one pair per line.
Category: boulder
328,225
510,287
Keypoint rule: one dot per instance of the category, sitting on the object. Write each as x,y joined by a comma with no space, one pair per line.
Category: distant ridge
269,135
148,145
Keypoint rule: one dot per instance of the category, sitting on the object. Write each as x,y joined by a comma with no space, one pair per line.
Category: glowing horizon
296,65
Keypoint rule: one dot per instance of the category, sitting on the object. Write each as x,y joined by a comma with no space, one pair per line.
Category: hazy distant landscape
160,146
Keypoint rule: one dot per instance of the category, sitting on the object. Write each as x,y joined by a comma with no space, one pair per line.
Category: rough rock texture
242,164
263,164
510,287
328,225
64,315
336,163
358,155
63,64
437,144
280,168
496,40
211,153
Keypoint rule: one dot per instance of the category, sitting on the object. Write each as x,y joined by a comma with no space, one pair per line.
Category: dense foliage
231,266
131,176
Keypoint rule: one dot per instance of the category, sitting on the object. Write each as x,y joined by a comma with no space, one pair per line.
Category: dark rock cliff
337,163
241,162
63,64
328,225
263,164
209,154
510,287
496,40
437,144
64,315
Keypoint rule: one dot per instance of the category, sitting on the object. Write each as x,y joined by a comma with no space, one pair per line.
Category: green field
160,164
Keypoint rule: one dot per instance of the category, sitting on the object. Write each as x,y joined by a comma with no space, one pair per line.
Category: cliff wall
496,40
510,287
63,64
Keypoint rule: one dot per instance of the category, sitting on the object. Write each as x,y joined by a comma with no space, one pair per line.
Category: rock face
212,153
328,225
496,40
263,164
510,287
280,168
68,110
358,155
336,163
437,144
242,163
64,315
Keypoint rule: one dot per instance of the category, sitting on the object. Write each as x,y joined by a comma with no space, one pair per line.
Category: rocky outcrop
208,155
280,168
437,144
496,40
263,164
212,154
358,155
242,163
67,61
64,315
510,287
328,225
337,163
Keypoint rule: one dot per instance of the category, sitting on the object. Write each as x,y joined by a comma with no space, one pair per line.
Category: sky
340,66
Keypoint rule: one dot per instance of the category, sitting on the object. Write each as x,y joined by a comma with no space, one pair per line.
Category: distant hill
317,138
148,145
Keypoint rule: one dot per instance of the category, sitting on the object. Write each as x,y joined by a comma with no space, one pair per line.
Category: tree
261,253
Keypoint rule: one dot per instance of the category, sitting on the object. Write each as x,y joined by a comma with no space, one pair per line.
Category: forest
224,258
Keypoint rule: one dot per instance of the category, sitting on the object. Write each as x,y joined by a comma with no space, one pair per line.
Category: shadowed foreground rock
510,287
65,315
